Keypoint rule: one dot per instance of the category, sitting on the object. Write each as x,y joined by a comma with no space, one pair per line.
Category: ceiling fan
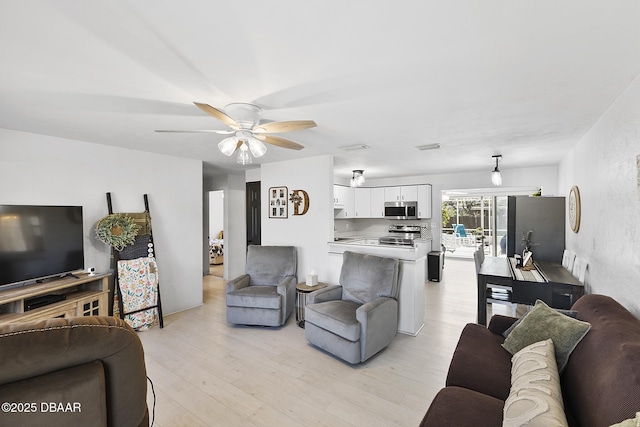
248,134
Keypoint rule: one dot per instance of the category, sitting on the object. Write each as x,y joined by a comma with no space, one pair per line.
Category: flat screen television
38,242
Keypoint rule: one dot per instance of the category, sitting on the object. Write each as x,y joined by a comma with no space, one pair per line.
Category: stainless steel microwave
401,210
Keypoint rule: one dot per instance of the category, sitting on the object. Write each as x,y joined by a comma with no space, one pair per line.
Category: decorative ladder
115,257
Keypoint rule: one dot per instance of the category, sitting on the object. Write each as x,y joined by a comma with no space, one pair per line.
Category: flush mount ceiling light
496,176
428,147
357,179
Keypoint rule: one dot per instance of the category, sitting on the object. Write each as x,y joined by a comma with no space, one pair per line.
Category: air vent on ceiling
428,147
354,147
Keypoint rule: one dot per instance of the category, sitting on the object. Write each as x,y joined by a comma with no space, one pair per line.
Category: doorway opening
472,221
476,217
216,233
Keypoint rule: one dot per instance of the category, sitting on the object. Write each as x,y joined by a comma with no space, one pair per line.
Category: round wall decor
117,230
574,209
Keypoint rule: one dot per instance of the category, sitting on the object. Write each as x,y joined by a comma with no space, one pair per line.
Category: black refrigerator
545,218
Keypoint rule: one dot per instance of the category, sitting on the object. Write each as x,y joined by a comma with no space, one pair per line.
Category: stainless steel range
401,235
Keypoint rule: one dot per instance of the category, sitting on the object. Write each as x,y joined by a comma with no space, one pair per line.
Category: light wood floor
216,270
209,373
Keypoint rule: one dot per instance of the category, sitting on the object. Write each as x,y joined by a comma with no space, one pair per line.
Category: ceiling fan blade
219,132
288,126
280,142
217,114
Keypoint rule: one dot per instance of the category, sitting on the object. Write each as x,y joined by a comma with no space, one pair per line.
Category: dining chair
579,270
568,258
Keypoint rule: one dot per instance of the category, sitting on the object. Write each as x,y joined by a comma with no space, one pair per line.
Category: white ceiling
525,79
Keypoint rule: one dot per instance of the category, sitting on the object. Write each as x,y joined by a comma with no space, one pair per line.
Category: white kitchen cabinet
343,203
391,194
409,193
424,201
362,202
339,195
377,202
405,193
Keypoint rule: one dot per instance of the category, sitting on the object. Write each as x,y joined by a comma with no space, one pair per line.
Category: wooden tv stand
85,296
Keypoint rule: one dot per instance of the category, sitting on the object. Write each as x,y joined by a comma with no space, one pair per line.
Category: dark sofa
600,385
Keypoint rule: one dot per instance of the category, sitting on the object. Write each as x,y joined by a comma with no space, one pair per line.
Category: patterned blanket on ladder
138,281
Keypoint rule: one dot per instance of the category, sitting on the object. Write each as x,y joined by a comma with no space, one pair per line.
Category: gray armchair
359,318
266,294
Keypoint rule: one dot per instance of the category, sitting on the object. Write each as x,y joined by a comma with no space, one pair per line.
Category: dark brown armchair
72,371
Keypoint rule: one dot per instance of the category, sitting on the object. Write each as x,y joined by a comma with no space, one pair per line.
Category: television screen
39,241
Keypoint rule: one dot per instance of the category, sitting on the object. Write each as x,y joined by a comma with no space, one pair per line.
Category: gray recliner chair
359,318
266,294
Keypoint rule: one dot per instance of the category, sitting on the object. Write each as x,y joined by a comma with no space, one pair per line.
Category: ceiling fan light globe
228,145
257,147
244,157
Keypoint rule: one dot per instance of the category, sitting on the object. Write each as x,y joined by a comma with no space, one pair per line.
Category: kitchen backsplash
373,227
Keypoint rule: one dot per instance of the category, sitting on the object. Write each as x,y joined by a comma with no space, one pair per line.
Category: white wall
235,225
310,232
604,167
252,175
41,170
235,220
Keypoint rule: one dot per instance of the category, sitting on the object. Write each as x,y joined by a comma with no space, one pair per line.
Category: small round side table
301,299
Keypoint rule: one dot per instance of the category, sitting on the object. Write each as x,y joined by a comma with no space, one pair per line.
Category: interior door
253,213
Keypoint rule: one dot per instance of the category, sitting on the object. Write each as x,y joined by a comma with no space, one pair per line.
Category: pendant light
496,176
357,179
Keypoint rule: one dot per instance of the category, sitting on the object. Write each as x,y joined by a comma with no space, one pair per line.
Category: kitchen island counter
412,275
372,246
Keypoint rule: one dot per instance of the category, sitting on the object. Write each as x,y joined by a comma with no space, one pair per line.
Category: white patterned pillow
631,422
535,398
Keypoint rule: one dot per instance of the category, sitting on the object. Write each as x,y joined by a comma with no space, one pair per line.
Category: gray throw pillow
544,323
570,313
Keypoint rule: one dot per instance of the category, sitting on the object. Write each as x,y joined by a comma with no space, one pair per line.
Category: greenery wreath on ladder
117,230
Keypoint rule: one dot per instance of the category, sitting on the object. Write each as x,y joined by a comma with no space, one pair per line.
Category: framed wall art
278,202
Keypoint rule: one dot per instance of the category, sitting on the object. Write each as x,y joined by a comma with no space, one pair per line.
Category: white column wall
234,224
42,170
310,232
